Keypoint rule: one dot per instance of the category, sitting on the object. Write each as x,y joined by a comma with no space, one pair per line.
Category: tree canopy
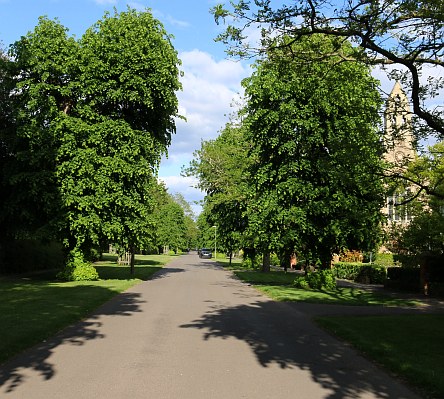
405,35
221,167
317,150
300,169
92,118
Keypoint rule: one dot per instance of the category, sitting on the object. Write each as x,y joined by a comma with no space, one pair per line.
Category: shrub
346,270
360,272
386,260
77,269
274,260
314,280
328,279
247,263
372,274
322,279
301,282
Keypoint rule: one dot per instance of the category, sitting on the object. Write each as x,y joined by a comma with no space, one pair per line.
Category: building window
396,212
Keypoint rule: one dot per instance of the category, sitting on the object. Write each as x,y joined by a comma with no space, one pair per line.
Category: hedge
360,272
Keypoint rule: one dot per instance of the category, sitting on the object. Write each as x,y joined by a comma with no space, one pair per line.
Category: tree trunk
425,276
132,250
266,262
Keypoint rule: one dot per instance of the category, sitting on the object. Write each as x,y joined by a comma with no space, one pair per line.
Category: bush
274,260
372,274
387,260
360,272
321,279
77,269
247,263
301,282
346,271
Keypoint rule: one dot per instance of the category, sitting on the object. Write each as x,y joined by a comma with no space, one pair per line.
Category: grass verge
278,286
408,345
36,307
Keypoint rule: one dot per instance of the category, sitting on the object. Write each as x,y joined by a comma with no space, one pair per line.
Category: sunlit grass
278,286
225,262
32,308
408,345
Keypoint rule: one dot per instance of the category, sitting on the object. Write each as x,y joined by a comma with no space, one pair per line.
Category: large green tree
171,231
93,118
317,151
221,167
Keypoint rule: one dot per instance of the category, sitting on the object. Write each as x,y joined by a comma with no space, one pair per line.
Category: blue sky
210,82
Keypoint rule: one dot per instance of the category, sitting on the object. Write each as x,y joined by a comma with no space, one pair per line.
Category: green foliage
318,280
301,282
221,169
385,259
252,264
316,186
173,228
274,260
77,269
92,120
361,272
367,26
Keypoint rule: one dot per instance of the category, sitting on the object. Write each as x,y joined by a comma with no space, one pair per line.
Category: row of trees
83,126
300,169
308,172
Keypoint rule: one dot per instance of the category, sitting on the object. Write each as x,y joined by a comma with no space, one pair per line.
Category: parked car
205,253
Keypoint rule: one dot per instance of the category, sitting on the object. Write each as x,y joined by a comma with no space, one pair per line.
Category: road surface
195,332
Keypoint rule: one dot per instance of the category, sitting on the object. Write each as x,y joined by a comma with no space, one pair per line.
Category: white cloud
186,187
170,19
104,2
209,89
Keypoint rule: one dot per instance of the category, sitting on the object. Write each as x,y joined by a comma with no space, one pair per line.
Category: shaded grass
33,309
278,286
225,262
407,345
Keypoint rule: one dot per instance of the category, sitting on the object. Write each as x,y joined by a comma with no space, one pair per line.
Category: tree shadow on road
12,373
278,334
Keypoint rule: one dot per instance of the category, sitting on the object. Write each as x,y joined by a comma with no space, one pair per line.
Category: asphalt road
195,332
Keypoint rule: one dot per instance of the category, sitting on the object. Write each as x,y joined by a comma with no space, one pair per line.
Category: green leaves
312,125
92,120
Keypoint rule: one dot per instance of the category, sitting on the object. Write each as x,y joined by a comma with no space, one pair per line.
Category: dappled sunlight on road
14,372
281,335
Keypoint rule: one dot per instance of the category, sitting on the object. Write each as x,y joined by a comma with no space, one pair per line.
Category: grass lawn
408,345
225,262
34,308
278,286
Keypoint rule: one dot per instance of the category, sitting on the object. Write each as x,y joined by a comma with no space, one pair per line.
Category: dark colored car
205,253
